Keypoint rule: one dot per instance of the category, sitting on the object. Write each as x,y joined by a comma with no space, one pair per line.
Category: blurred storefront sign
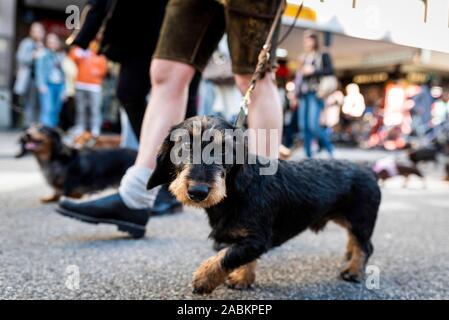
415,23
371,78
372,60
418,77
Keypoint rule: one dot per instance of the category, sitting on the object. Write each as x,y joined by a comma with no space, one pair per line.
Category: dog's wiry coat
261,212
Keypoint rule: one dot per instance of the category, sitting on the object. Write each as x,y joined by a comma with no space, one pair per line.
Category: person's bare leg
264,112
167,106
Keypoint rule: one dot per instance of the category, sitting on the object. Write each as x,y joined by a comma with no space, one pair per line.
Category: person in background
25,84
331,115
50,81
422,110
92,69
312,66
68,109
352,110
440,109
354,102
290,124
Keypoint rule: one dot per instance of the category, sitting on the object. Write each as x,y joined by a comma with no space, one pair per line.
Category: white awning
415,23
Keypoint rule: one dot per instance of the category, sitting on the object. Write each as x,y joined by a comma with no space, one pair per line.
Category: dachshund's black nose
198,192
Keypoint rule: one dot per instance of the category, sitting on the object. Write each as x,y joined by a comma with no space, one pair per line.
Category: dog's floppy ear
162,174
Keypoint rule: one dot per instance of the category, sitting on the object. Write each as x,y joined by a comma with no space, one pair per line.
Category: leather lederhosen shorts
192,29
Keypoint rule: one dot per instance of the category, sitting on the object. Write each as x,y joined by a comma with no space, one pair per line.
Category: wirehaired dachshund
72,172
252,213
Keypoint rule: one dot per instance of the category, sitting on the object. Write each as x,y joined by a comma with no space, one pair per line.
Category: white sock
133,188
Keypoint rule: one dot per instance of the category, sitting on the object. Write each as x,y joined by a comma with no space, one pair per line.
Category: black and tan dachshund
72,172
252,213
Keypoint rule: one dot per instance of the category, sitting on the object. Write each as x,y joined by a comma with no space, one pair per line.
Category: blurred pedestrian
67,116
291,130
92,69
422,110
440,110
313,66
352,110
354,102
25,84
50,81
330,117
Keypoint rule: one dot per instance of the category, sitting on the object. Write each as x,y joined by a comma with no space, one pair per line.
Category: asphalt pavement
44,255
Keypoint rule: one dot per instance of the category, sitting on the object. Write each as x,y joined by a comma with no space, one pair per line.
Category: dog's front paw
202,286
238,283
243,277
209,275
206,282
351,275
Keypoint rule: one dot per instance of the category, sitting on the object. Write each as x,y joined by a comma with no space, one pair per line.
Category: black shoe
111,210
165,203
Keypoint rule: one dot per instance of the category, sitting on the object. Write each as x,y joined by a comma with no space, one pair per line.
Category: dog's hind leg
359,221
351,239
359,249
359,254
350,246
242,277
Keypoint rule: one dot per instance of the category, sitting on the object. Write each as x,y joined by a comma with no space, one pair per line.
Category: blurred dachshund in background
72,172
252,213
387,168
